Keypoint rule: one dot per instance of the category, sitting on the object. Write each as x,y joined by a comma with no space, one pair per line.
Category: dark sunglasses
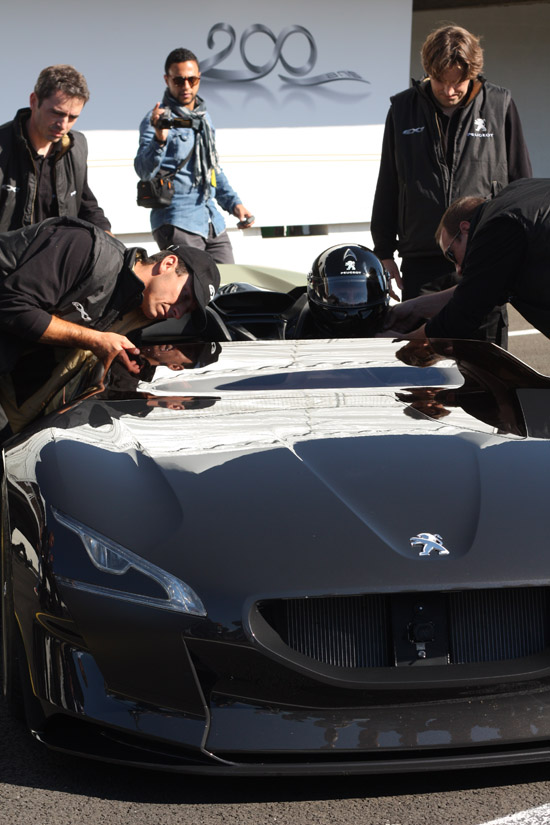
449,254
181,81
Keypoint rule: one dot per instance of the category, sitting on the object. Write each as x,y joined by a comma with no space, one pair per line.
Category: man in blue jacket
189,150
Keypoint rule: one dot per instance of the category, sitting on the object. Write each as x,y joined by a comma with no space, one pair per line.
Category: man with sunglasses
177,136
501,252
449,135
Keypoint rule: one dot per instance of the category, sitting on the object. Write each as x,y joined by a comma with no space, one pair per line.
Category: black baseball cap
205,354
206,277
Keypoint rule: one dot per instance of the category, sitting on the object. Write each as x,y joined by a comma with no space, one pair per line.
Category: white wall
121,50
516,41
286,177
296,154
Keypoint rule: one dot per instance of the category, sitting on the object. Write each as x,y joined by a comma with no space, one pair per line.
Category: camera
165,122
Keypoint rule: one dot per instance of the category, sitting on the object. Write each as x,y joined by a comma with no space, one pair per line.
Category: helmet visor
341,291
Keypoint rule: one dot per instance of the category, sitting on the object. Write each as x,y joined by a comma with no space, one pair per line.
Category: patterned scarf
206,162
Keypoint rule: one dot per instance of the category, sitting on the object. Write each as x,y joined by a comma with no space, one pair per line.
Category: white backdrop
121,49
298,102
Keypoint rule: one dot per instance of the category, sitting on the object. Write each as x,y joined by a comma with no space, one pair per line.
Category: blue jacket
190,209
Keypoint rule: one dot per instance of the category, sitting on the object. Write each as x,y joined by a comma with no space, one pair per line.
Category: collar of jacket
21,117
422,87
130,288
19,121
65,144
196,115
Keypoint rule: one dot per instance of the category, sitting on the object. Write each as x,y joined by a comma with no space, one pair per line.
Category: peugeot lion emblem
430,542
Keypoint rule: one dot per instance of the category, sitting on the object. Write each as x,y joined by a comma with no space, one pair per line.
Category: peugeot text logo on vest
480,129
430,542
415,131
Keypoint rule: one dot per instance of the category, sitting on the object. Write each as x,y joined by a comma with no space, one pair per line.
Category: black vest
88,300
427,185
18,180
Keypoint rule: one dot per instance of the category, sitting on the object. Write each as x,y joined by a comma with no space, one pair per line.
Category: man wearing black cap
66,283
177,357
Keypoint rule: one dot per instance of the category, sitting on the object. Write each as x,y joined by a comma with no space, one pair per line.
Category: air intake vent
399,629
491,625
350,632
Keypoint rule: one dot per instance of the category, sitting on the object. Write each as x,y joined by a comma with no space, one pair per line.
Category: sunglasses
449,254
181,81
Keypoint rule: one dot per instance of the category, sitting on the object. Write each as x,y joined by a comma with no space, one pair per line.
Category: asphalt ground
47,788
528,344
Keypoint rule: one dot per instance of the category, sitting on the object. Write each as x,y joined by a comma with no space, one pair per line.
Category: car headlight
111,558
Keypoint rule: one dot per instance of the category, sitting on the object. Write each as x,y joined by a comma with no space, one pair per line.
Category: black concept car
283,557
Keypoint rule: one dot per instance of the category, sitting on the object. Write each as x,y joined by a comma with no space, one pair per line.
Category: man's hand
404,317
407,319
132,366
242,213
105,345
160,134
393,271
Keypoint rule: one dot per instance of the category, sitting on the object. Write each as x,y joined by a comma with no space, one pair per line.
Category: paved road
45,788
528,344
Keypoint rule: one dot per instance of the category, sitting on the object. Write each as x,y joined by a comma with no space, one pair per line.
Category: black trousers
433,274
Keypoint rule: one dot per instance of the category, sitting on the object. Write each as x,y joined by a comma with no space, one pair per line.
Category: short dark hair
157,257
61,78
450,47
179,56
460,210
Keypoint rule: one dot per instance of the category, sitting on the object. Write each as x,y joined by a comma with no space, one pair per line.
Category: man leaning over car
66,283
501,251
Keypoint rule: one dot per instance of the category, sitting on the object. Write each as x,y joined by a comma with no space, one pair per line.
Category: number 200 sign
257,71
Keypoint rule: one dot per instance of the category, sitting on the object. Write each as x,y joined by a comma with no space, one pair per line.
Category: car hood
297,469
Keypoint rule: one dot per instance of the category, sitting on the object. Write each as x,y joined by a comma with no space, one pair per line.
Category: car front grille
463,627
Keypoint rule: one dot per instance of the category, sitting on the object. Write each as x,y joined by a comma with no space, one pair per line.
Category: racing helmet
348,290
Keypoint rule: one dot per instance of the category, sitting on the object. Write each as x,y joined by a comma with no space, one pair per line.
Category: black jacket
19,183
507,259
424,167
63,267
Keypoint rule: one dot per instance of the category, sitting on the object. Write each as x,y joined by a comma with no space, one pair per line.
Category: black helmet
348,290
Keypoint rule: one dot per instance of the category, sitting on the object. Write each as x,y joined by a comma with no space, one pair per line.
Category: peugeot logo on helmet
350,261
